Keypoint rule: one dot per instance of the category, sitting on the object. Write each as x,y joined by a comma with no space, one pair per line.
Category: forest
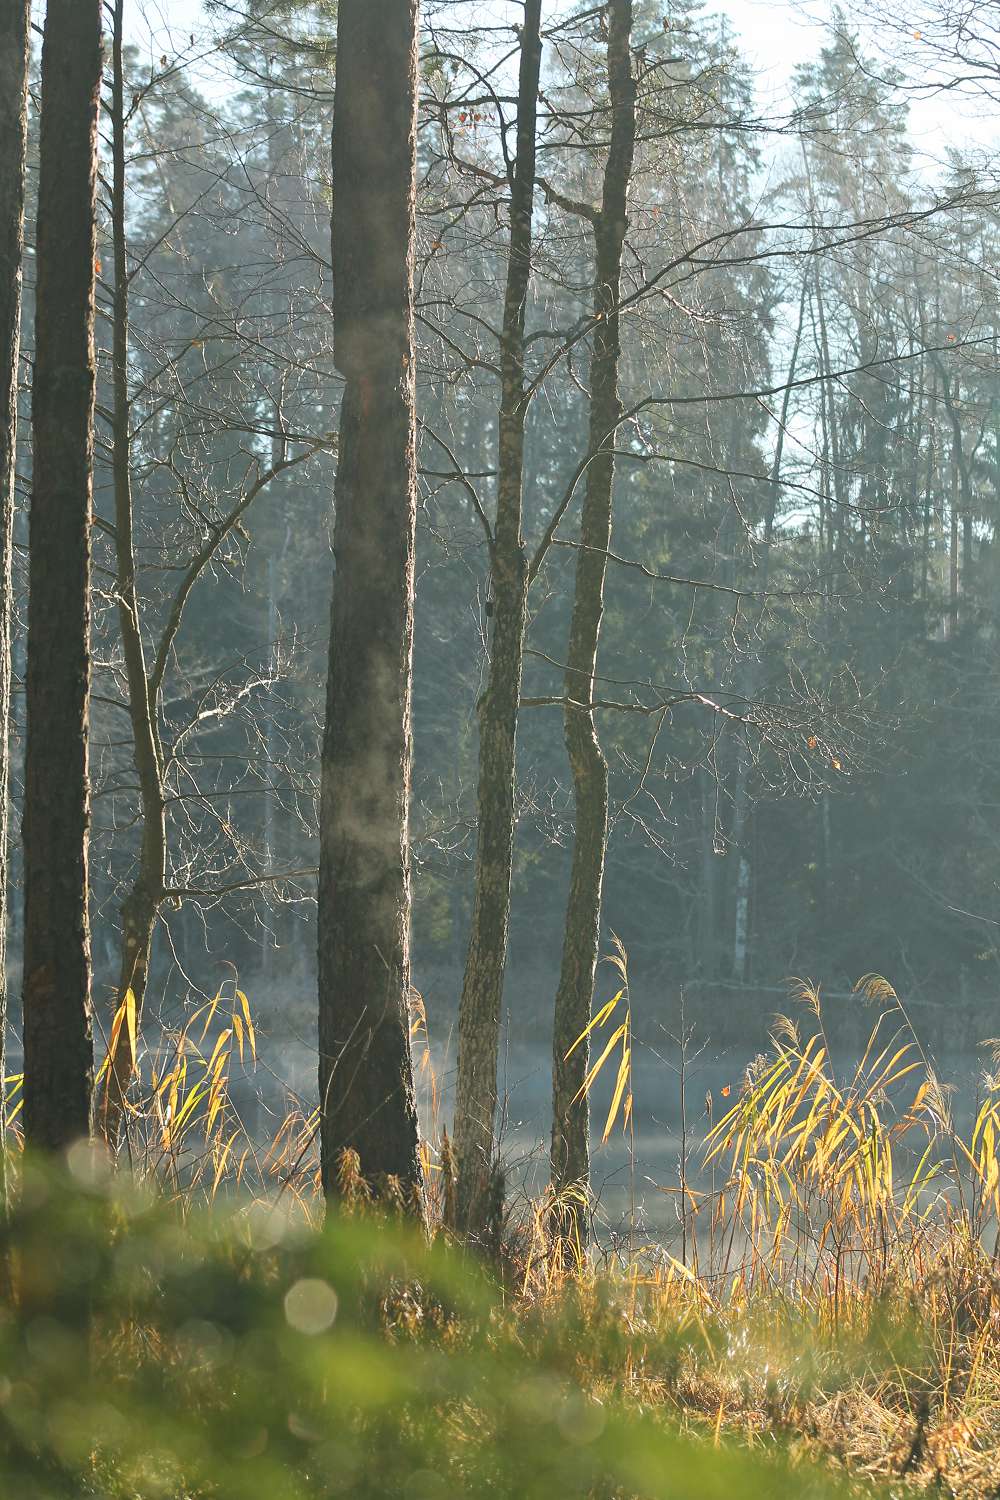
499,609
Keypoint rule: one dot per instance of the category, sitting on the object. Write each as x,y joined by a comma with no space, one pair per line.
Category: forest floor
830,1325
155,1349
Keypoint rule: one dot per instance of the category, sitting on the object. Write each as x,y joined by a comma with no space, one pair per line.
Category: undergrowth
188,1327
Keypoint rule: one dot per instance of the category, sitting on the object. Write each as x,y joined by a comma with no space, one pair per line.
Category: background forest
797,658
498,507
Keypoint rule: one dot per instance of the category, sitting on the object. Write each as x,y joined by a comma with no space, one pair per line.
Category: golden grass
842,1284
841,1294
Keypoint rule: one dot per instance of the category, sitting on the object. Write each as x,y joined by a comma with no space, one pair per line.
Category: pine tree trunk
581,940
141,906
708,927
742,834
365,1076
482,987
961,497
58,1053
741,914
15,16
824,914
953,548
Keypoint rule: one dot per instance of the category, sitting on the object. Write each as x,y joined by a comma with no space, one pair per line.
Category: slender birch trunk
142,903
482,987
581,941
742,822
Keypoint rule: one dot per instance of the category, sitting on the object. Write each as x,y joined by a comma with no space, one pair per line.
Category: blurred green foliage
235,1353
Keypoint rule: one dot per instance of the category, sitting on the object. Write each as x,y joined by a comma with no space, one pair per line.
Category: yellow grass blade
596,1020
615,1038
620,1086
248,1021
130,1018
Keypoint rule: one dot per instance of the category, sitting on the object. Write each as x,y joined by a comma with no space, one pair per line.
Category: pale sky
777,36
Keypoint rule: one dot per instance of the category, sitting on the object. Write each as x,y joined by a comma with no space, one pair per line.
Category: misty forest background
797,688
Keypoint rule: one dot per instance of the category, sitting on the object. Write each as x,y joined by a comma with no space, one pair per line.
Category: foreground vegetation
189,1329
239,1355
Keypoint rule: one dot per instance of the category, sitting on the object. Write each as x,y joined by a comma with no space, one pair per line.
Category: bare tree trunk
58,1053
995,413
482,987
145,674
365,1073
925,535
838,513
141,905
961,495
742,820
708,927
825,914
15,17
581,941
953,547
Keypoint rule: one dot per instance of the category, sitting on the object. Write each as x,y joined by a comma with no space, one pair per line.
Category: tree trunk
824,913
961,496
995,414
141,906
58,1053
708,934
482,987
741,837
953,548
925,540
15,17
365,1072
742,834
581,940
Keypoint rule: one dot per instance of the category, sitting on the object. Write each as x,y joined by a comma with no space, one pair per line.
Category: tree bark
742,833
365,1073
953,548
15,18
708,922
141,906
961,496
482,986
58,1052
581,940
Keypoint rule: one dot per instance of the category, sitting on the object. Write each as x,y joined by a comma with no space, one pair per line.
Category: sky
775,35
778,35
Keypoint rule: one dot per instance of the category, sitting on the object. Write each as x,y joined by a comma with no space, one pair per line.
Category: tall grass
842,1278
837,1300
837,1183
